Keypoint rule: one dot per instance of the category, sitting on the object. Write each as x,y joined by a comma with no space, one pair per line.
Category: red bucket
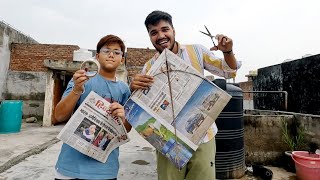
307,165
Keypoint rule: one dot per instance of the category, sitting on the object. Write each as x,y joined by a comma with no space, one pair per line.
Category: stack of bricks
136,58
30,57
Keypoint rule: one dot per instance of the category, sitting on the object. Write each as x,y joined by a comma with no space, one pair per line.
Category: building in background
247,88
8,35
38,74
299,79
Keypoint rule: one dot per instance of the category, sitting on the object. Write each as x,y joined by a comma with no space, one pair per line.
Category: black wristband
227,52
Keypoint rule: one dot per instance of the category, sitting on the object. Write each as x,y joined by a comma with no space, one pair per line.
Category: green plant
293,137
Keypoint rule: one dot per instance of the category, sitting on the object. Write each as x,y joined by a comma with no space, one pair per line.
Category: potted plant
293,136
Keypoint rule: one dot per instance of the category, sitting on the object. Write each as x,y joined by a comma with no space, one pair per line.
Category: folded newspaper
92,130
175,129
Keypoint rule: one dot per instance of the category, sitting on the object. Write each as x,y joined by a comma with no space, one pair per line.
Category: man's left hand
225,43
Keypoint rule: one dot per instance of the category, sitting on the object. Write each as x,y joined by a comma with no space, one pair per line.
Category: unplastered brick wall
246,86
30,57
136,57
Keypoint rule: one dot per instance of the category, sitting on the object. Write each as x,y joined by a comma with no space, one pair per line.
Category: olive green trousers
200,167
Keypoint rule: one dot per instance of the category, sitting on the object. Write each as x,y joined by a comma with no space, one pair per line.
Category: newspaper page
92,130
197,103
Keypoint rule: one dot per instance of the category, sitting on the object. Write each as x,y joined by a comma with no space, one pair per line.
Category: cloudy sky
264,32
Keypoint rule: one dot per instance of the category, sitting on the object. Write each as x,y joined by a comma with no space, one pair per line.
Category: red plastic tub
307,165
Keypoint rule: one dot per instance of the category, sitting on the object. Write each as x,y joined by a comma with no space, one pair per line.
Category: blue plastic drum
10,116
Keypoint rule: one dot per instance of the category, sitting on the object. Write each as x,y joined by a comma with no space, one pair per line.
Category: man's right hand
141,81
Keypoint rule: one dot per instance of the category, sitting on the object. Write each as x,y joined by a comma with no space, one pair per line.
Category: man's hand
225,43
141,81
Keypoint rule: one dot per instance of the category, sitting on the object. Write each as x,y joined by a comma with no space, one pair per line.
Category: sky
264,33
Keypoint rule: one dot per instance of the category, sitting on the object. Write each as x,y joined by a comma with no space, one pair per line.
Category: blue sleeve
68,89
126,95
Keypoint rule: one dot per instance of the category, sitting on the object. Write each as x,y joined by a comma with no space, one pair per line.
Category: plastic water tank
230,154
10,116
82,55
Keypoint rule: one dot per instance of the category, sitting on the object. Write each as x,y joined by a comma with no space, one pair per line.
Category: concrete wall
269,79
29,87
8,35
300,78
264,136
302,81
248,104
27,74
4,63
14,35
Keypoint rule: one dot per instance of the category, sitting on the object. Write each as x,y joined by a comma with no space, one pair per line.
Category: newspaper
197,102
92,130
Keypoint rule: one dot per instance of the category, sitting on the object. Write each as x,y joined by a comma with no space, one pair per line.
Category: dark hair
110,39
156,16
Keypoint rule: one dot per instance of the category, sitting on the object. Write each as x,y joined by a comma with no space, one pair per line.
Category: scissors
209,34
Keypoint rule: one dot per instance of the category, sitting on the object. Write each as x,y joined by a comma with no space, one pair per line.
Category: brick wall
30,57
136,57
246,86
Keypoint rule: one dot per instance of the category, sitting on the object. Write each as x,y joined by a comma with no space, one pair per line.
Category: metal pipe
284,92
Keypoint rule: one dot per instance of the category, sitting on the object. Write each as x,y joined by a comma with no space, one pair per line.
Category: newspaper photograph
92,130
158,135
197,103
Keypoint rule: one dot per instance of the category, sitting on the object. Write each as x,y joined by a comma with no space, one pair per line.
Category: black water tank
230,155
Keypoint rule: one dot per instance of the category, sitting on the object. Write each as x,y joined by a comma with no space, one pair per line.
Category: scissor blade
205,33
207,30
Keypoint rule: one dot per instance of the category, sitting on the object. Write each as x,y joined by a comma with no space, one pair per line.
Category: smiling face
110,57
162,35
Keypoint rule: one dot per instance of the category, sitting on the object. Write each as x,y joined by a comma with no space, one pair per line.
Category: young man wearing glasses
71,163
162,35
